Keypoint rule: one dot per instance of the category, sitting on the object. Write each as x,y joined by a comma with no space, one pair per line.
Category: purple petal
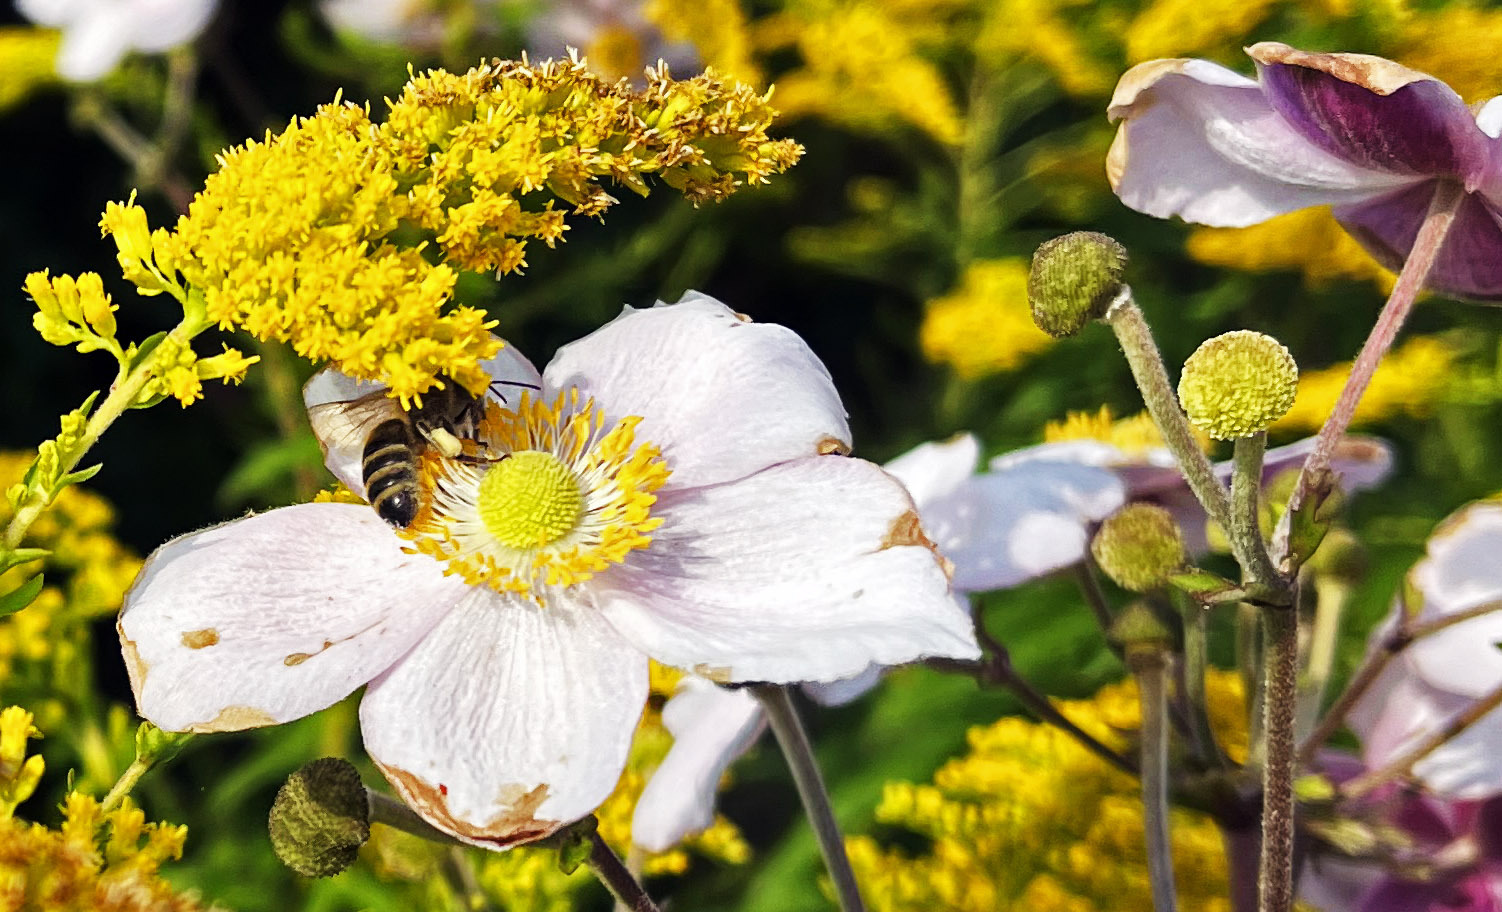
1375,113
1468,895
1469,263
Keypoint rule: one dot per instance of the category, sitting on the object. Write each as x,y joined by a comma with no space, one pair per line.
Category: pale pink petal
711,727
94,44
1469,265
1374,113
722,397
1203,143
1003,528
808,571
160,25
848,690
1083,452
272,617
930,470
1489,117
508,720
1461,571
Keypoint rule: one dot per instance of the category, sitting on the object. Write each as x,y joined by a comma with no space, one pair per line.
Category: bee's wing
343,412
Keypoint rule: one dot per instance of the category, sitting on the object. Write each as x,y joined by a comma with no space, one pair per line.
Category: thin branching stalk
626,889
1245,531
1403,764
1331,597
1150,667
461,876
388,811
793,740
127,781
1397,640
1195,699
1448,196
1162,402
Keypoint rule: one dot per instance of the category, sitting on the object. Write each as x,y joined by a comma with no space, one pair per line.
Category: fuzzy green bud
1073,281
320,818
1139,547
1237,384
1137,627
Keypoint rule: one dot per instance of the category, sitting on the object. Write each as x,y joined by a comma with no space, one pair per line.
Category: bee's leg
502,396
444,441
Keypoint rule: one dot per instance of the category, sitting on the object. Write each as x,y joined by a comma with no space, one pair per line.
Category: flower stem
127,781
1279,702
1245,530
1162,402
1448,196
607,866
1150,668
1331,597
1404,762
793,740
461,876
1397,640
387,810
1195,663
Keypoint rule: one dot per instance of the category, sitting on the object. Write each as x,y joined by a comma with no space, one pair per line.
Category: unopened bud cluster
1139,547
1073,281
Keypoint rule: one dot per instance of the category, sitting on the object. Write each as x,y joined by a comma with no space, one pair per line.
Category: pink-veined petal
508,720
1459,572
808,571
711,726
1003,528
1375,113
1469,264
722,397
274,616
1202,142
931,470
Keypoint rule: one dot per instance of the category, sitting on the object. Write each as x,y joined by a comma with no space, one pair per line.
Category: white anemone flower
97,34
1443,674
1030,515
675,489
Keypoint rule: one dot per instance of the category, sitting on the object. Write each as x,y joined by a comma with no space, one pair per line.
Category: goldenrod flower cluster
1134,436
87,571
26,56
344,237
1029,819
95,861
1309,240
983,327
1410,380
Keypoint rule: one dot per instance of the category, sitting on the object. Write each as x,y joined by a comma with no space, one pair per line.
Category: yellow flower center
556,495
530,500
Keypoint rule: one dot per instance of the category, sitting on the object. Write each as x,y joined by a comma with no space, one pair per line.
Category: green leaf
1207,588
21,556
1309,523
78,477
139,353
21,596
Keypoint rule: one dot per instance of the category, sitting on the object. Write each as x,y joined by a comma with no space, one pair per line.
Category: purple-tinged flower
674,488
1365,135
1440,675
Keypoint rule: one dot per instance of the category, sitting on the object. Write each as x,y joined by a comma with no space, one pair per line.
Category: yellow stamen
562,496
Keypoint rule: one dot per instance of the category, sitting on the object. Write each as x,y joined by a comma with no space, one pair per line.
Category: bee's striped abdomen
389,468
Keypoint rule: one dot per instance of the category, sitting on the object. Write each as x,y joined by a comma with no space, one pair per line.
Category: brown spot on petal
716,673
832,446
515,825
135,667
906,530
297,658
199,639
234,718
1375,74
742,317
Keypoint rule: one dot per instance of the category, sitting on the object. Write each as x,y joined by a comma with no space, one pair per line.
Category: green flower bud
1237,384
1138,627
320,818
1139,547
1074,280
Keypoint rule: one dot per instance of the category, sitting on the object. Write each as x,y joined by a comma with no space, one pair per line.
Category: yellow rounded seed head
320,818
530,499
1139,546
1073,280
1237,384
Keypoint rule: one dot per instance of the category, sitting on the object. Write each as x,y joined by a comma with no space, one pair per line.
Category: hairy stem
1150,667
1245,531
1280,699
626,889
799,753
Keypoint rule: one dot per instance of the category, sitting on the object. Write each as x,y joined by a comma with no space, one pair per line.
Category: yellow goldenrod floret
344,237
1047,31
717,28
1135,436
1175,28
19,774
1309,240
1024,819
984,326
26,56
1409,381
1427,42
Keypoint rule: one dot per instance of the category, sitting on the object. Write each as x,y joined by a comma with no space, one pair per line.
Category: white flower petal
58,13
160,25
94,44
711,727
807,571
508,720
1489,117
269,618
931,470
1083,452
1202,142
1461,571
847,690
721,396
1006,527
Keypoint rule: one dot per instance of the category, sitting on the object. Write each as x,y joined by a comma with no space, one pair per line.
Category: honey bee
390,440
